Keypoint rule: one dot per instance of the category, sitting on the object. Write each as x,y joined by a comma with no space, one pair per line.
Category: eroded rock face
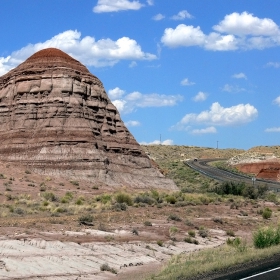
56,118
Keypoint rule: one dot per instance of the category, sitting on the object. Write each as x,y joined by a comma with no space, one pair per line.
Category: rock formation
56,118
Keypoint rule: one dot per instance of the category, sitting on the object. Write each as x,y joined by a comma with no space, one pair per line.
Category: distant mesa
56,118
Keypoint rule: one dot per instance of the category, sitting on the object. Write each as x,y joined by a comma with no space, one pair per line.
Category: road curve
201,165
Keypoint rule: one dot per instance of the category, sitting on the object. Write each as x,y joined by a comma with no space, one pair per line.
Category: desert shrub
239,244
50,196
86,219
119,207
147,224
173,230
203,232
230,232
160,243
79,201
27,172
19,211
144,198
188,239
241,189
174,217
267,213
218,220
124,198
135,231
191,233
266,237
104,198
2,176
60,210
171,199
106,267
75,183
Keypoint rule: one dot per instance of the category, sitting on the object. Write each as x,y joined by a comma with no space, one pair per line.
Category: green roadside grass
198,264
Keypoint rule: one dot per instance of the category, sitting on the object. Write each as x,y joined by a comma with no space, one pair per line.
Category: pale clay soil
41,246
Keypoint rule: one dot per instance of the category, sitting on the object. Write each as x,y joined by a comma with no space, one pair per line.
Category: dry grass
211,260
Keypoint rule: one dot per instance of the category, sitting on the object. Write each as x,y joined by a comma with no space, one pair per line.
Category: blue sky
184,72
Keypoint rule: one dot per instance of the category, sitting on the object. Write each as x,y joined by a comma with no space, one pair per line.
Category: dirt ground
40,244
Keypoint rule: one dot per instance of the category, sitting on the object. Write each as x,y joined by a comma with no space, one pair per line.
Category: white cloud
232,88
158,17
218,115
277,101
246,24
182,15
183,35
116,93
133,64
206,130
235,31
167,142
105,6
132,123
201,96
187,82
127,103
273,64
104,52
150,2
240,76
273,129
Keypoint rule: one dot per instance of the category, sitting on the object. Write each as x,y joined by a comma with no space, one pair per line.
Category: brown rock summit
56,118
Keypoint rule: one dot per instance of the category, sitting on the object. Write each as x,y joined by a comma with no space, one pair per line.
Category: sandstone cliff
56,118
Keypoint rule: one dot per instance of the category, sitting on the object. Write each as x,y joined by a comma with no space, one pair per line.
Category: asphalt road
202,166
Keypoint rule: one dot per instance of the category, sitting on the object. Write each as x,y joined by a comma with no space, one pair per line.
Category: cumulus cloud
133,64
277,101
232,88
182,15
201,96
187,82
240,76
132,123
273,129
106,6
91,52
207,130
158,17
269,64
167,142
235,31
116,93
127,103
218,115
246,24
150,2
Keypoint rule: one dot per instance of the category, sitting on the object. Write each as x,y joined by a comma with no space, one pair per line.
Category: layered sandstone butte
56,118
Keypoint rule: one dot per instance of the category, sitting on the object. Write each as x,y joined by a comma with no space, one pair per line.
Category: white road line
261,273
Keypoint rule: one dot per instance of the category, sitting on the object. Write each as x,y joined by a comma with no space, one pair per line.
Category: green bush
124,198
86,219
119,207
171,199
266,237
144,198
267,213
174,217
147,224
50,196
191,233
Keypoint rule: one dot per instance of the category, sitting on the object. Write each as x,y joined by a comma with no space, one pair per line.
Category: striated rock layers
56,118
